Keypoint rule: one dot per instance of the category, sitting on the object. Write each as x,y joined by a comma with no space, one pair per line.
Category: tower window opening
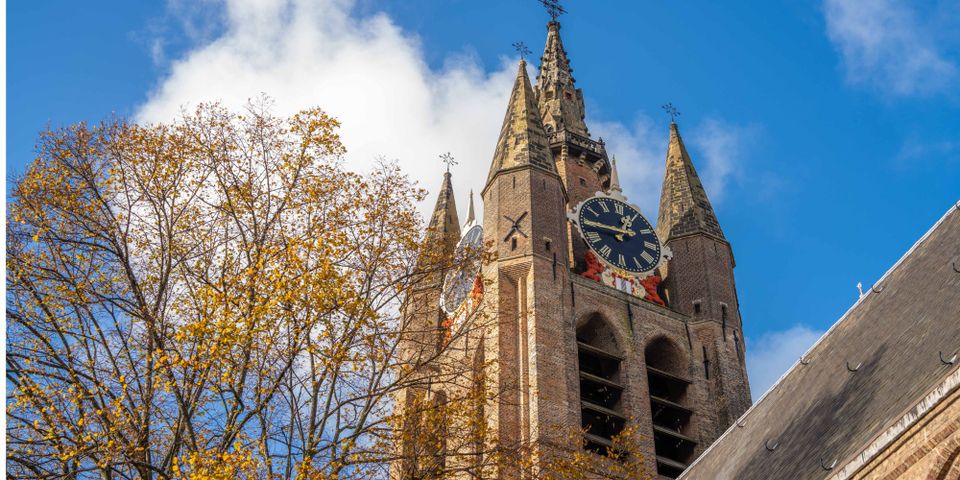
513,243
723,320
583,182
696,308
706,363
669,408
601,389
547,245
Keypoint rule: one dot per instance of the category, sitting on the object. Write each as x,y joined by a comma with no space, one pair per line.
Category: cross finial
672,111
553,8
448,159
522,49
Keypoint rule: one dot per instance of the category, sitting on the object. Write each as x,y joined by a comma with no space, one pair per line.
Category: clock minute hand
609,227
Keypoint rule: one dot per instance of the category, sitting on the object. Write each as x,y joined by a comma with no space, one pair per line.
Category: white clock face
459,281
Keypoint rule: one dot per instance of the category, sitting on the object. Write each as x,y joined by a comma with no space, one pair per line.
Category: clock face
459,282
619,235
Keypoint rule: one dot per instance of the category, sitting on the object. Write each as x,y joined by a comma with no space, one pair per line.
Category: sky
827,132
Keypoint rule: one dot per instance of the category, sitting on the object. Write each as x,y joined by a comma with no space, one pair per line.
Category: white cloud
721,146
892,46
769,357
716,147
367,72
372,75
641,151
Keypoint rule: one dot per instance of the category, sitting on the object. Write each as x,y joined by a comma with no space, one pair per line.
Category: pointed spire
444,227
523,140
614,177
470,214
684,206
560,102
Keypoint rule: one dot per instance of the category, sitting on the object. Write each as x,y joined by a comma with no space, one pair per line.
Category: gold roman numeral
604,206
650,245
605,251
621,262
646,257
592,237
594,212
618,207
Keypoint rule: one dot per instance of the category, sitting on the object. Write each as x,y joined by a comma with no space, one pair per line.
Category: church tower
420,343
524,224
576,342
581,162
699,283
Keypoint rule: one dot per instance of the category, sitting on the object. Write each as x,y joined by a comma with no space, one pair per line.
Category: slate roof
443,232
821,410
555,80
523,139
684,206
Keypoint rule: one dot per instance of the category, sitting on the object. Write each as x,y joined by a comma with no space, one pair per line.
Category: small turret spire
444,228
684,206
470,214
523,140
614,177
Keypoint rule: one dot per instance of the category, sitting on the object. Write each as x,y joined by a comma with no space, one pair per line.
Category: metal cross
553,8
522,49
448,159
515,228
672,111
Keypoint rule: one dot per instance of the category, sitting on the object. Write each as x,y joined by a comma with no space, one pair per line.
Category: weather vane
553,8
448,159
522,48
672,111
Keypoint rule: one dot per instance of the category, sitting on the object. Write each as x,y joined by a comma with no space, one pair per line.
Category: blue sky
827,132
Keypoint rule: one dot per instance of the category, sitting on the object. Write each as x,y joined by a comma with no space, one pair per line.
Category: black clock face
619,235
459,282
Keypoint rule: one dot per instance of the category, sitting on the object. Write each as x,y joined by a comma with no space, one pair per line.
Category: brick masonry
928,450
538,299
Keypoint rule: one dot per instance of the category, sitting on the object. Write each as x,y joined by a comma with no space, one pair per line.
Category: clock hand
619,230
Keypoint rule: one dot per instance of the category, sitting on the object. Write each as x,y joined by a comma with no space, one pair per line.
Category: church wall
700,283
649,322
930,449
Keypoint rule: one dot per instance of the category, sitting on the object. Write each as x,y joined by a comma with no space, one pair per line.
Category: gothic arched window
667,381
601,385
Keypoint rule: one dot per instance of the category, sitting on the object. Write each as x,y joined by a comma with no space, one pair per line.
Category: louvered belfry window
601,387
671,414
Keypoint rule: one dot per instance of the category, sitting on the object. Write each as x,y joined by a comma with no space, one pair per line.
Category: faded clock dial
458,282
619,235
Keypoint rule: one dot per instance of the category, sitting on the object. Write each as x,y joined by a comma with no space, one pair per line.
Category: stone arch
599,362
664,354
672,416
595,329
949,466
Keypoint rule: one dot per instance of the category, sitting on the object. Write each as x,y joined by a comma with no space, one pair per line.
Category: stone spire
470,215
614,177
684,206
444,227
523,140
560,101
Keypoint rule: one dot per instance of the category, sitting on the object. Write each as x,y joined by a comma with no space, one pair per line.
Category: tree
219,297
